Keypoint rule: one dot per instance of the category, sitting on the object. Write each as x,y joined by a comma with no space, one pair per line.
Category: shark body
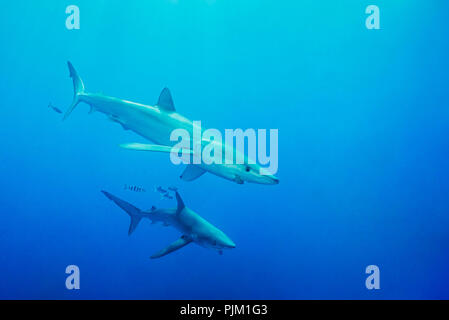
193,227
156,123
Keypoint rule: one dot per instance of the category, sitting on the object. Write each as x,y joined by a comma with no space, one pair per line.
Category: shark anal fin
192,172
178,244
165,100
113,119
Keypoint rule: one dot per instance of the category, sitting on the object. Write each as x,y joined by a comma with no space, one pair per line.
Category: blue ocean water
363,123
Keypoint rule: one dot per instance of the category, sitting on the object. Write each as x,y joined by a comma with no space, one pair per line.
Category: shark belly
147,121
222,170
196,228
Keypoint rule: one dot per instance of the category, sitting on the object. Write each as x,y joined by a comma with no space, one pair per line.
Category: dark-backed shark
193,227
156,123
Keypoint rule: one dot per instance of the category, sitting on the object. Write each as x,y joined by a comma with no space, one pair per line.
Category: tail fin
134,213
78,87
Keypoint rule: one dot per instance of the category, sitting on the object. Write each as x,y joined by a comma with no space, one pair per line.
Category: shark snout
274,180
270,179
225,242
228,243
266,177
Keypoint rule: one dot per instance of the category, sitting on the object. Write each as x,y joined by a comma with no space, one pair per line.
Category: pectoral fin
154,148
192,172
178,244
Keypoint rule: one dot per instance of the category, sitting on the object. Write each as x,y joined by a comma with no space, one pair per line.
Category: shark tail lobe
78,87
134,213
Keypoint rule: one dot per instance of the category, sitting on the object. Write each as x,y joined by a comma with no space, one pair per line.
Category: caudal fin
78,87
133,212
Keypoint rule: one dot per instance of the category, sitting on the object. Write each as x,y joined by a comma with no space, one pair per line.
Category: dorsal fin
181,205
165,100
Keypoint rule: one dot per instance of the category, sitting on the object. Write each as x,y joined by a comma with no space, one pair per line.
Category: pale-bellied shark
193,227
156,123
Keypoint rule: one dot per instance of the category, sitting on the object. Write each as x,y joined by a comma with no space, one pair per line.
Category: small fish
161,190
134,188
174,189
54,108
166,196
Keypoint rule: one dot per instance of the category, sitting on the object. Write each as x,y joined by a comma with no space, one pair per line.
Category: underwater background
363,119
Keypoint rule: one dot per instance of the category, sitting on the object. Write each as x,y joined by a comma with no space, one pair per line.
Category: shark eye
215,242
247,169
